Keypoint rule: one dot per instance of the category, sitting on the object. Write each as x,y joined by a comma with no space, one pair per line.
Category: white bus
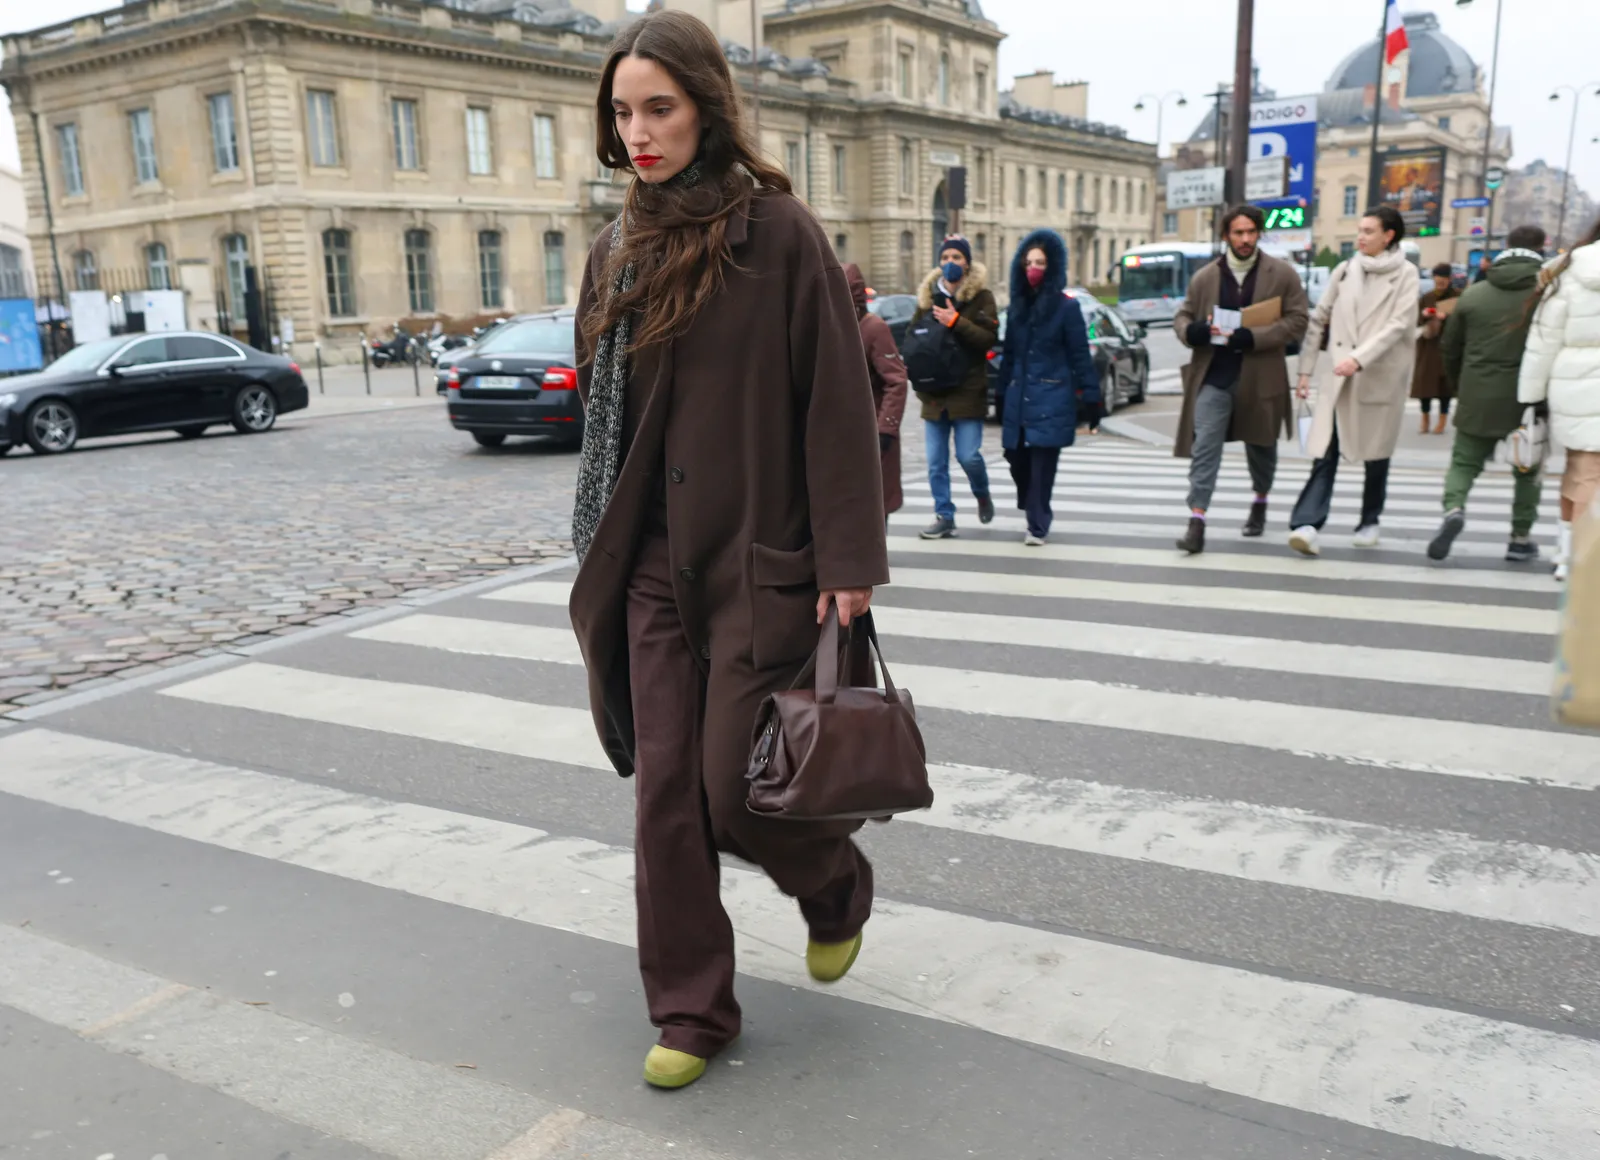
1154,278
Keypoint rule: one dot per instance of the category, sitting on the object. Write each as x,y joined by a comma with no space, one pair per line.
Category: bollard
416,371
321,389
366,365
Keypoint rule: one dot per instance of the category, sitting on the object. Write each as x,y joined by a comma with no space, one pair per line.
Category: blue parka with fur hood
1049,367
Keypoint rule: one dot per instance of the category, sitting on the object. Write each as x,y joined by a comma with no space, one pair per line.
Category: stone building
1434,97
16,254
1532,196
348,163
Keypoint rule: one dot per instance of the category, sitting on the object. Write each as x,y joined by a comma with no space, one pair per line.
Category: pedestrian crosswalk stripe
1307,658
1450,748
1252,564
1449,1078
1263,601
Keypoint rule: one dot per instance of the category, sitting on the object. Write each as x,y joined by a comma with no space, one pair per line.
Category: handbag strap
863,633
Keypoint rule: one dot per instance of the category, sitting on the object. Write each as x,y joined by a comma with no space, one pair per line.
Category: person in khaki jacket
1237,389
1370,316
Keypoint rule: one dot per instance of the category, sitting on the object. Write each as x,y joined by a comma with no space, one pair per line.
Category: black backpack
935,362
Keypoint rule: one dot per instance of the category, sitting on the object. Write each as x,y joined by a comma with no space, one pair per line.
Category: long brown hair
675,237
1550,278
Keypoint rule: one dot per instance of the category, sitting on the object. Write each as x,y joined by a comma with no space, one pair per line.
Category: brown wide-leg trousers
690,806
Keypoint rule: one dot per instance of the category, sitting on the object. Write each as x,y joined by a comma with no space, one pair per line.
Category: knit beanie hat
957,242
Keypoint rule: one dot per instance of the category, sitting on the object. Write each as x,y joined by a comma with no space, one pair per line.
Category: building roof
1013,110
1347,107
1439,66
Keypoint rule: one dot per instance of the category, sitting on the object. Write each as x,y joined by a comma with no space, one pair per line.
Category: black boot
1194,540
1257,522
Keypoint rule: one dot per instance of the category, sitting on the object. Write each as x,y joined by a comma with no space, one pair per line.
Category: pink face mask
1035,276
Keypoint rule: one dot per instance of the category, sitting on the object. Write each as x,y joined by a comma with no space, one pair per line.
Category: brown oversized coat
760,420
888,373
1261,406
1428,377
977,329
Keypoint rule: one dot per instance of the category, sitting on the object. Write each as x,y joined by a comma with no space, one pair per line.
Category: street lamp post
1572,135
1488,129
1161,103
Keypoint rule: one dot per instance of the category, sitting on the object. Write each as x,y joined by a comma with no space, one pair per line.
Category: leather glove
1198,333
884,442
1241,340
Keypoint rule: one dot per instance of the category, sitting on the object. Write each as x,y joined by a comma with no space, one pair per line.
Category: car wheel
191,432
52,427
1108,392
255,409
488,438
1144,385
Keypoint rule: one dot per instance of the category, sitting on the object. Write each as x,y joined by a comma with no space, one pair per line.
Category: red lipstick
646,160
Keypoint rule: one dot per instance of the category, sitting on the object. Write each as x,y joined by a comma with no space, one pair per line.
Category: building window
142,127
905,73
1144,197
1111,253
1022,187
944,78
323,129
791,160
1444,123
224,136
489,284
980,85
419,271
1000,178
1044,189
1061,191
1351,204
1169,222
980,248
1078,193
908,260
13,283
980,167
71,159
841,246
838,170
1347,249
157,269
907,166
85,271
407,154
480,153
1096,195
544,146
336,271
555,268
236,258
1113,195
1094,271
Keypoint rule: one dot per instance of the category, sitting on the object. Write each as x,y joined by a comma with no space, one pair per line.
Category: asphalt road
1245,856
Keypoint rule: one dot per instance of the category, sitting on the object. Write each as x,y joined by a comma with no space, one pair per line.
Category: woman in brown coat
888,387
728,495
1428,378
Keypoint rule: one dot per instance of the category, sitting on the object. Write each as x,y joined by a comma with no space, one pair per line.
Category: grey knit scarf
601,458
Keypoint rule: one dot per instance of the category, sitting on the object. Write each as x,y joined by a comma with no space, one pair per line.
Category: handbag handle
828,653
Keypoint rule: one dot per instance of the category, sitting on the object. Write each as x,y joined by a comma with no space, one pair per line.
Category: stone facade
16,250
1531,196
372,160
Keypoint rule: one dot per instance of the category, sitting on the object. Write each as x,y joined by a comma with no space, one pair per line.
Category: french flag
1394,33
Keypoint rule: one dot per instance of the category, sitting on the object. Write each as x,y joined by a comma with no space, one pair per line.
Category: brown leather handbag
828,752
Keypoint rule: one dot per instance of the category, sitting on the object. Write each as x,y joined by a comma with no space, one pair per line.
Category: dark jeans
1444,405
1033,469
1317,495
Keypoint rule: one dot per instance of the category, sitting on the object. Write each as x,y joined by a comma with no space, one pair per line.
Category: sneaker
1257,523
1032,541
1454,520
1522,551
1560,571
985,509
1194,537
940,529
1366,536
1304,541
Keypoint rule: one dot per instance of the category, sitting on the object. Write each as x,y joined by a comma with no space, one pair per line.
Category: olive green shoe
666,1068
830,962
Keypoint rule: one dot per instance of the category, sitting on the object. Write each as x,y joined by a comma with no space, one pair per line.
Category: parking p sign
1288,128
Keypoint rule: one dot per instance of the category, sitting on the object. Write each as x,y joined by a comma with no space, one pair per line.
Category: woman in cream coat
1369,314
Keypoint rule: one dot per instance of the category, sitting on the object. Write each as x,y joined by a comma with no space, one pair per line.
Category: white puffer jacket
1562,361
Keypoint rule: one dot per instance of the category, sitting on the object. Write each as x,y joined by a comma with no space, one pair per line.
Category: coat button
705,652
676,475
686,573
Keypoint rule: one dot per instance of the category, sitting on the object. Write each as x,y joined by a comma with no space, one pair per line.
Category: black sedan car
520,380
183,381
1120,355
896,310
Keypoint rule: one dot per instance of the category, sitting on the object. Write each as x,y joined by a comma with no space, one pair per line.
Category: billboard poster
19,336
1287,127
1412,181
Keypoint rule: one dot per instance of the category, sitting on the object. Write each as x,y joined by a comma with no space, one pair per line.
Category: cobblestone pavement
122,558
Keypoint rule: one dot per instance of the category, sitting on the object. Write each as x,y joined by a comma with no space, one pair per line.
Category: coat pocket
783,605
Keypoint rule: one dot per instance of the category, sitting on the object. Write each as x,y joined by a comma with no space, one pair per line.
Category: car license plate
497,382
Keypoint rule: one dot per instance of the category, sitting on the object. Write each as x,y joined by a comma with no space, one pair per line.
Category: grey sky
1142,46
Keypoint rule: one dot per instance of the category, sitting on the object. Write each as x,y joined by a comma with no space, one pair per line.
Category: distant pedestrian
727,498
1428,380
1047,376
956,295
888,387
1483,345
1369,313
1561,369
1236,390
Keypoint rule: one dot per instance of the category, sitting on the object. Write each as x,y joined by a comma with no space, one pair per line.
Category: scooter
401,348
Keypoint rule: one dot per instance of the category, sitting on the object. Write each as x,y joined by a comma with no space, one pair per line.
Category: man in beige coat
1369,313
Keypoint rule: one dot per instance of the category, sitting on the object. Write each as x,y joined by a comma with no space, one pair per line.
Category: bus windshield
1152,276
